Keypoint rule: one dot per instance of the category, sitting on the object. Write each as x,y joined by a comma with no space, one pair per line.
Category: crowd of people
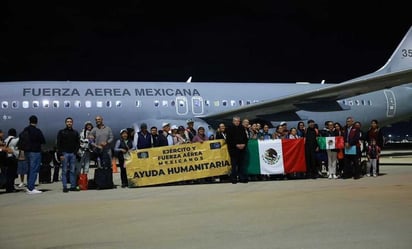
74,150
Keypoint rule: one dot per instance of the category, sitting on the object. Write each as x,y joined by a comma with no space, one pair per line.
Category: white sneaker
330,177
368,175
21,185
34,191
335,177
374,175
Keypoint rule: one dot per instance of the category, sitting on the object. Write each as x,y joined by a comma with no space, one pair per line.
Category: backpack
24,140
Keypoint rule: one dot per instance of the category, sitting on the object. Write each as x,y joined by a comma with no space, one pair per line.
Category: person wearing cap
181,136
173,133
84,150
165,138
122,149
33,153
190,130
143,139
68,144
285,128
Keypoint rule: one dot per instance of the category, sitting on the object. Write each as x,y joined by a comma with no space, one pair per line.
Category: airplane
383,95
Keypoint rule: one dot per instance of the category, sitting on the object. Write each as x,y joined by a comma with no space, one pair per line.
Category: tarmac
307,214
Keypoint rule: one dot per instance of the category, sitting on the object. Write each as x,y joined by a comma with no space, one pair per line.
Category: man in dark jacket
33,153
311,148
236,139
351,139
68,143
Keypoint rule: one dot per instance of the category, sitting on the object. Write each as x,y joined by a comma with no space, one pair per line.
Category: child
373,155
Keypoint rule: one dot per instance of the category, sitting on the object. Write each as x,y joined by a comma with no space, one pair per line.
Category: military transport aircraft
385,95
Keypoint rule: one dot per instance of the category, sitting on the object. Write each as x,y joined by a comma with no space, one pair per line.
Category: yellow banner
178,163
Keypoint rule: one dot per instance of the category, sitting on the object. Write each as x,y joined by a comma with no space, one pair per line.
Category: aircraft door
197,105
181,105
390,103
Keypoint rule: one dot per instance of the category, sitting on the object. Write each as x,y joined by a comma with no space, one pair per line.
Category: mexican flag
329,143
278,156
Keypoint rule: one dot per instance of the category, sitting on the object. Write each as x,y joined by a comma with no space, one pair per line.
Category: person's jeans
34,159
85,162
69,161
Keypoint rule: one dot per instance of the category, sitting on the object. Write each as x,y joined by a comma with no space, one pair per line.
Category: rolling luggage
103,177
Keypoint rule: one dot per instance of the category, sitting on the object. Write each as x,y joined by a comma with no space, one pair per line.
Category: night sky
221,41
240,41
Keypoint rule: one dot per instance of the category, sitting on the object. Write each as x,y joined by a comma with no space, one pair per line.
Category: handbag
83,182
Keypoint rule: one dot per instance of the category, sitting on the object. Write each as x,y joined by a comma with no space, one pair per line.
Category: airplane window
66,104
4,104
99,104
224,102
350,102
363,102
108,104
25,104
207,103
216,103
156,103
232,103
138,103
56,104
255,101
357,102
77,104
196,102
240,102
118,103
165,103
15,104
88,104
172,103
36,104
46,104
248,102
370,102
181,103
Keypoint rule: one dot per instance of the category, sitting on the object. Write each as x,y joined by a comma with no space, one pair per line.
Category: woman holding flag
329,142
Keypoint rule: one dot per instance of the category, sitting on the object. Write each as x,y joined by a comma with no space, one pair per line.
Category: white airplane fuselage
128,104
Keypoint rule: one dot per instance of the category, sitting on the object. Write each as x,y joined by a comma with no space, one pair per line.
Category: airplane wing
396,71
324,97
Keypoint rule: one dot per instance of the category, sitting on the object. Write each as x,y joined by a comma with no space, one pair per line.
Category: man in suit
351,139
237,139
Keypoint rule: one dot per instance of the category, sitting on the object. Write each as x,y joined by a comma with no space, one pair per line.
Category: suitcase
83,182
45,174
103,177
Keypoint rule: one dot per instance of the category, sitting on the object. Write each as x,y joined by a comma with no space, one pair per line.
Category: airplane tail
401,59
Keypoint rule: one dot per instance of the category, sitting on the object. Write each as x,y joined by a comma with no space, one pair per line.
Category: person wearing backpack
11,159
